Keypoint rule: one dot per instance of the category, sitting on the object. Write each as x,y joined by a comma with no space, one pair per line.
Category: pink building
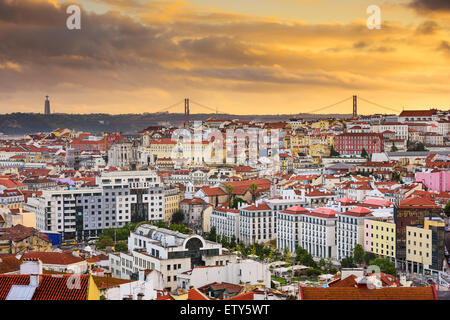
438,181
367,235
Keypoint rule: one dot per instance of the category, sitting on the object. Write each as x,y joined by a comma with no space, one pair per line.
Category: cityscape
336,199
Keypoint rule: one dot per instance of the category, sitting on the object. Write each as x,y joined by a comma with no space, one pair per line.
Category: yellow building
286,163
319,150
20,239
321,124
380,237
172,198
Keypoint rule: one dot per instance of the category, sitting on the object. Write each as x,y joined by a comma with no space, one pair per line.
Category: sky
234,56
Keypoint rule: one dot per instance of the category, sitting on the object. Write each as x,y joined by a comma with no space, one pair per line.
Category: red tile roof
417,113
348,293
9,263
258,207
357,212
20,232
416,202
194,294
244,296
213,191
51,287
349,282
60,258
295,210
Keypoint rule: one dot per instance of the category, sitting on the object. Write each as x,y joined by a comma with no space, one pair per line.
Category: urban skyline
288,56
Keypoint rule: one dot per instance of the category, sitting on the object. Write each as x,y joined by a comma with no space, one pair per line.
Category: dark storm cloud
432,5
25,12
445,46
427,27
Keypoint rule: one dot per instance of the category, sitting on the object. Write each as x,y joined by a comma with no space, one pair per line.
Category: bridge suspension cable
328,106
206,107
170,107
378,105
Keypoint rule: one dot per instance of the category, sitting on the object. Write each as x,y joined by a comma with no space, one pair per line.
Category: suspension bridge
353,99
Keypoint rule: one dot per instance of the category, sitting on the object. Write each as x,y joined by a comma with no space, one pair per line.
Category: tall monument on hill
47,106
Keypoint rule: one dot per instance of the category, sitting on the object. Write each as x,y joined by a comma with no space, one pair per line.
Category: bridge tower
355,106
186,111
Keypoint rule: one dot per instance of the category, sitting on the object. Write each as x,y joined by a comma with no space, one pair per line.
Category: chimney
34,280
33,267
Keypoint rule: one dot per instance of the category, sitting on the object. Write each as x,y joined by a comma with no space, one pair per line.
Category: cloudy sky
239,56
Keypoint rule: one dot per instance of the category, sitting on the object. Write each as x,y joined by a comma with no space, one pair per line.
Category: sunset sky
239,56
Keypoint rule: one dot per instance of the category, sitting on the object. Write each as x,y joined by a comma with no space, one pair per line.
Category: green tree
271,252
369,256
386,266
253,251
212,235
233,242
348,262
394,148
224,242
303,257
229,190
105,242
121,247
447,209
313,272
358,254
236,202
364,153
253,189
178,216
322,263
333,152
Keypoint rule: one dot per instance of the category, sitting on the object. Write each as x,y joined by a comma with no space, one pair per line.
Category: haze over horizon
258,57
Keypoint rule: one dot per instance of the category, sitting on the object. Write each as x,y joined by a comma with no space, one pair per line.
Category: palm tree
229,190
253,189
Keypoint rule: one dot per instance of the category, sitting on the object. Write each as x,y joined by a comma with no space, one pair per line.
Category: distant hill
26,123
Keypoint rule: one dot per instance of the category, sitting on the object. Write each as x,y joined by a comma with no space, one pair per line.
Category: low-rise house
32,284
59,261
19,239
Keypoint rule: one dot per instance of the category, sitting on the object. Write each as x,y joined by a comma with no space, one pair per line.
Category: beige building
425,245
13,217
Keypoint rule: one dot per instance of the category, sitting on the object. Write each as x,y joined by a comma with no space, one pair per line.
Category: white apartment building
247,272
400,129
257,224
350,230
289,228
319,233
120,197
168,252
288,198
254,223
226,222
